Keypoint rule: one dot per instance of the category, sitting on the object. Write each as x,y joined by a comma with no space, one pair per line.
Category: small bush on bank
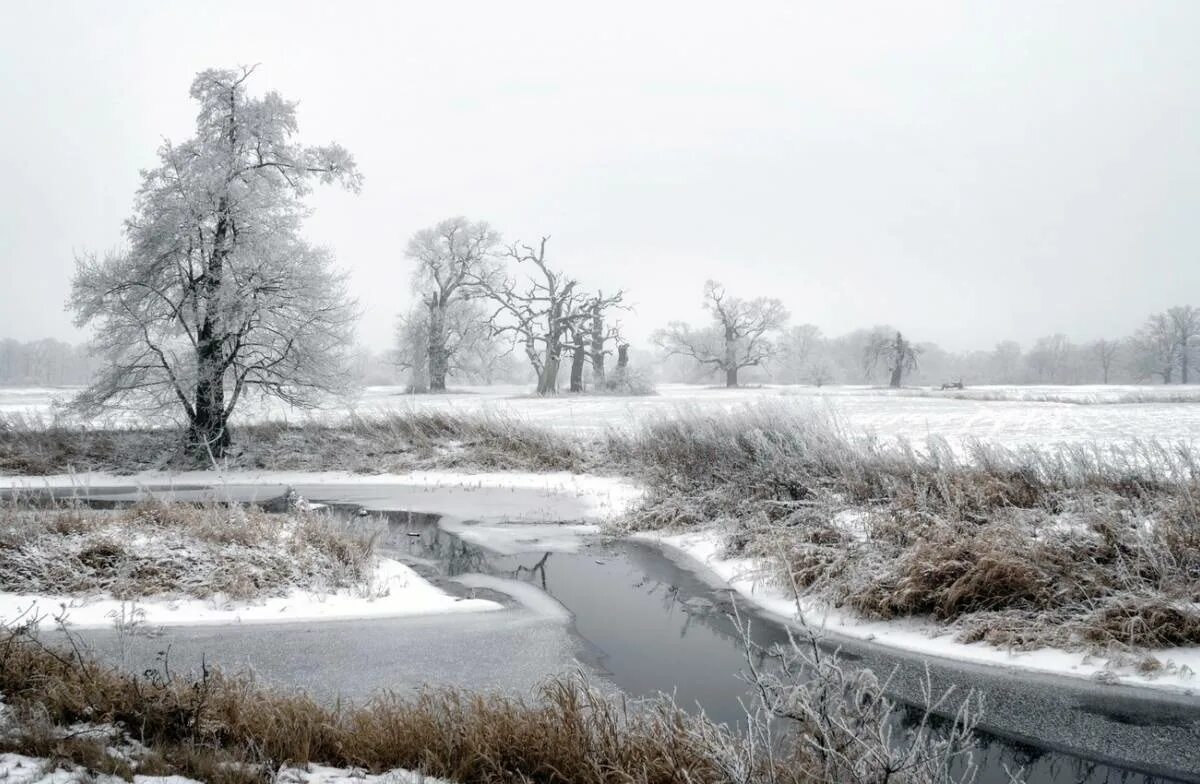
1071,547
160,549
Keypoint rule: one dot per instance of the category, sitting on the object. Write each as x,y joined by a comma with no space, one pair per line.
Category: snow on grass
512,512
319,774
394,590
918,636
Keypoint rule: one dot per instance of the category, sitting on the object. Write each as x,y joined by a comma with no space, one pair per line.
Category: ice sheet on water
528,595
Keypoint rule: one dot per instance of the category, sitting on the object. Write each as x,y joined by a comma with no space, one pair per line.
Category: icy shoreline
702,549
395,590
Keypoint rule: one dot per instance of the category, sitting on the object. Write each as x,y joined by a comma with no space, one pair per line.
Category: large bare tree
896,353
216,293
454,259
545,312
739,337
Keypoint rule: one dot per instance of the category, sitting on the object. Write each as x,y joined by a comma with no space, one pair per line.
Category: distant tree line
750,340
46,362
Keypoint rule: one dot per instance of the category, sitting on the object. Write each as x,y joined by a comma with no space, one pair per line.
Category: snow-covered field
1014,416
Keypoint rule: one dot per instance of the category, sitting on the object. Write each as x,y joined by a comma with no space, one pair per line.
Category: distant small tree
217,293
454,258
1184,323
1105,353
1154,349
800,350
1050,358
740,336
897,354
1005,361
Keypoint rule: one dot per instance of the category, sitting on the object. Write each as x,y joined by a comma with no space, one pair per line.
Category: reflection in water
658,628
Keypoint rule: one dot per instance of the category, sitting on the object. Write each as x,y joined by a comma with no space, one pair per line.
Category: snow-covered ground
1181,666
19,769
395,590
1014,416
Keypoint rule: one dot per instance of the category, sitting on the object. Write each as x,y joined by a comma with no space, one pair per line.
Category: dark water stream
651,625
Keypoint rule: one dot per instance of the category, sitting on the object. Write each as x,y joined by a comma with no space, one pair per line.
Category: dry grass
378,444
160,549
1073,547
836,727
1065,547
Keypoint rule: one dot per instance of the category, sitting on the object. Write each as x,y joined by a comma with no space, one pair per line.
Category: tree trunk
897,374
578,357
1183,364
548,383
208,433
597,347
437,344
622,359
731,365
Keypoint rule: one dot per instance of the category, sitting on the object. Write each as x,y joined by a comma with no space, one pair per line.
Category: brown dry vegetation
383,443
219,728
1068,547
156,549
1073,546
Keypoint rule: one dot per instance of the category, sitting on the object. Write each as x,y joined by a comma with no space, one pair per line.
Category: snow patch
528,595
395,590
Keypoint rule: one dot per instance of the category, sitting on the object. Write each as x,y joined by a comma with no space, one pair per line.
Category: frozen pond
642,622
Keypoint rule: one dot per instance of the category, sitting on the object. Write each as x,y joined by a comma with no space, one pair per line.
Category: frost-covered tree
454,260
802,355
896,353
216,293
1184,322
1155,349
739,337
1105,352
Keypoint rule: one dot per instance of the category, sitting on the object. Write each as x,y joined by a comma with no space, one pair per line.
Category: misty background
971,175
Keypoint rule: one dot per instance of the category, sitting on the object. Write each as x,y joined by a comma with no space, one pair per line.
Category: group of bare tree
479,299
750,333
753,334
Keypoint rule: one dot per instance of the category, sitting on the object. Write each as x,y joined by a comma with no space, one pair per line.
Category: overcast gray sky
969,172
